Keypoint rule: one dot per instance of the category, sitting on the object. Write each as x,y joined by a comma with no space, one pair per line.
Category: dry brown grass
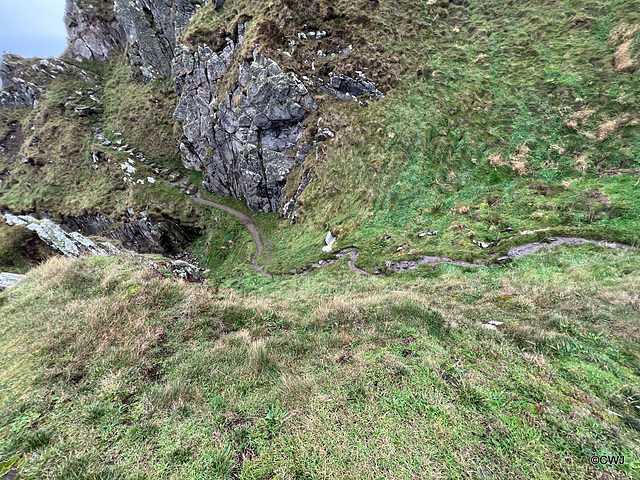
519,160
622,37
607,128
496,160
581,164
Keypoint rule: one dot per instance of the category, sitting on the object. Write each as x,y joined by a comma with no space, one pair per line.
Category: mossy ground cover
112,371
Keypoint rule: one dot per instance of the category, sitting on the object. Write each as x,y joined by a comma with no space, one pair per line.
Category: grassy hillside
111,371
498,117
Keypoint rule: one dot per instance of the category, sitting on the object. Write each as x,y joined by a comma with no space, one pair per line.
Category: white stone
128,168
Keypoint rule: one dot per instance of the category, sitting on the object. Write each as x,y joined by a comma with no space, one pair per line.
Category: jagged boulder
93,30
165,237
74,244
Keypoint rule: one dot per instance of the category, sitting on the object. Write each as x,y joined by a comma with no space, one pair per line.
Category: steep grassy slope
110,371
500,117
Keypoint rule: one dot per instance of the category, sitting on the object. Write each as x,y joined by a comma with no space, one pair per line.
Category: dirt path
514,253
250,225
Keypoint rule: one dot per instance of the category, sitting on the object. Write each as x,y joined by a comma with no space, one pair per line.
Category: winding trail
250,225
520,251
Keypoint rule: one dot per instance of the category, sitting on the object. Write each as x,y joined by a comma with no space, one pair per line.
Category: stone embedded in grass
324,134
481,244
128,168
345,51
493,325
316,35
86,111
8,280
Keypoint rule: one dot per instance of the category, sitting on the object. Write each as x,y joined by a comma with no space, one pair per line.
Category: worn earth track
404,266
250,225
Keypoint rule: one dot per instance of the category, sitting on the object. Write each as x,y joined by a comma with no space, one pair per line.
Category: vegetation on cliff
498,118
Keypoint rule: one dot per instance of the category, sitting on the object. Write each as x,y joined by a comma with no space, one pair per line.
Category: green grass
112,371
498,116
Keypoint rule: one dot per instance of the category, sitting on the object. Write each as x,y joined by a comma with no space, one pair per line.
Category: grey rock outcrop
152,27
245,139
345,88
70,244
24,80
146,29
165,237
74,244
291,209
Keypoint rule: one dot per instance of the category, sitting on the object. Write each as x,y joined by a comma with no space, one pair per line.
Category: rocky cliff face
93,30
244,140
146,29
244,134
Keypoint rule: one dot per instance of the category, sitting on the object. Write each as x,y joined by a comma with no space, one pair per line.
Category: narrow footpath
514,253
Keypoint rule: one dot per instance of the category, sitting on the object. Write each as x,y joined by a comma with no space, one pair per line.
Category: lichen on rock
146,29
245,143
